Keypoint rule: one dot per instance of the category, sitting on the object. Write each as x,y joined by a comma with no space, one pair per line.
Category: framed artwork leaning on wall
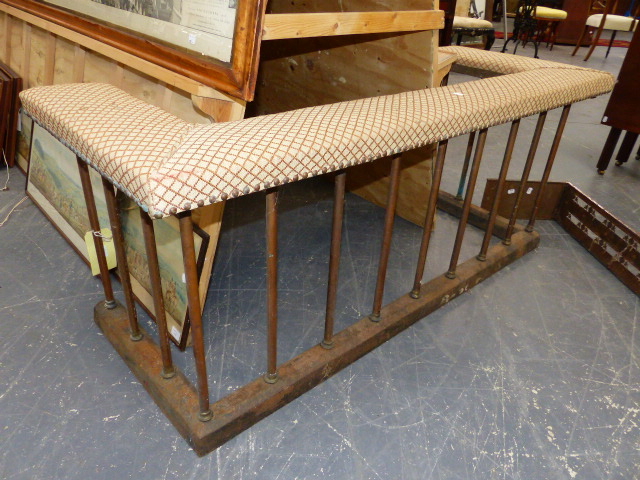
53,183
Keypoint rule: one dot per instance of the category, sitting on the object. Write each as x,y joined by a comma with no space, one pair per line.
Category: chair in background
525,26
535,22
466,25
548,20
603,19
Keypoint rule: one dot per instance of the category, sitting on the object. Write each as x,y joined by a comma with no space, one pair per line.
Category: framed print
24,142
197,26
214,42
174,289
53,183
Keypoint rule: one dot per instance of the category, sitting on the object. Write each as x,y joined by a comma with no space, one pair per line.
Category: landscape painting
24,141
54,185
171,265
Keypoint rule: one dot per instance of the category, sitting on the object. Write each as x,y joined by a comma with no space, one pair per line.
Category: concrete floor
532,375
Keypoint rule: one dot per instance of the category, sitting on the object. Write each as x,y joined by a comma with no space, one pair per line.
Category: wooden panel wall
44,54
43,58
303,72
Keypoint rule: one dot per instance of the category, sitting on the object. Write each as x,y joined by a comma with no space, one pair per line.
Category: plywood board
304,72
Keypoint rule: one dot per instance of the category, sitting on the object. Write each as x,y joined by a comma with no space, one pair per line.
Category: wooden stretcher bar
193,166
301,25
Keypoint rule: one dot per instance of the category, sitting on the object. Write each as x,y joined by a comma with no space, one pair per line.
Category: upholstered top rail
167,165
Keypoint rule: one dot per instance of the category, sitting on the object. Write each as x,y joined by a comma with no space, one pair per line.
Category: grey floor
533,374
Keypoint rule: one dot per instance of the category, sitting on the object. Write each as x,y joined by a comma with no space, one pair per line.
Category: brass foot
327,345
205,416
271,377
135,337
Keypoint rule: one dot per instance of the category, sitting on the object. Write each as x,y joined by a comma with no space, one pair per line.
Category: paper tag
109,250
175,333
529,190
511,191
192,38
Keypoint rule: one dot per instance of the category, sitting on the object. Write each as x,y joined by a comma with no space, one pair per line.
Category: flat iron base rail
233,414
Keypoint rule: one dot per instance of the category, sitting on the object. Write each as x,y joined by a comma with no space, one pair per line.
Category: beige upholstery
471,23
613,22
168,166
546,13
500,64
121,136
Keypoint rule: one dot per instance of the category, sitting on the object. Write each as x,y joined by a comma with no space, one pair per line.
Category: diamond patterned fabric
120,136
169,166
502,64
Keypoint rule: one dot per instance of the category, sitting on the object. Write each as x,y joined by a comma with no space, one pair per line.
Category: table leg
607,151
626,148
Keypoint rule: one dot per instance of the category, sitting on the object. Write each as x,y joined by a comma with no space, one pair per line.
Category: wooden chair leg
491,37
594,43
553,35
579,44
613,37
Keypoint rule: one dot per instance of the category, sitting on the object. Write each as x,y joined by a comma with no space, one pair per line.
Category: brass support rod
525,176
121,257
429,218
465,165
392,200
272,285
334,257
547,169
94,223
508,153
195,312
168,371
466,206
